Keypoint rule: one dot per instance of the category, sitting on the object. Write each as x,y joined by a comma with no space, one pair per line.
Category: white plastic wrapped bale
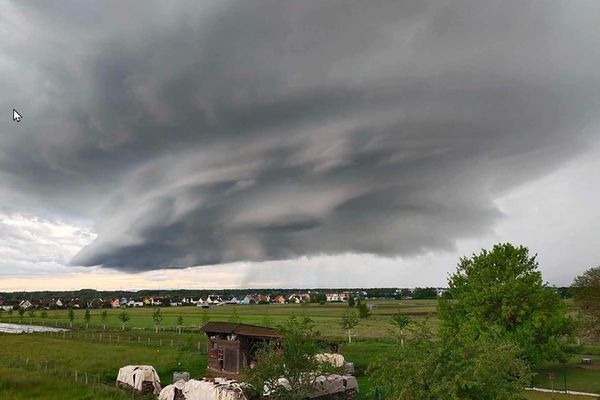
326,386
170,392
218,389
141,378
337,360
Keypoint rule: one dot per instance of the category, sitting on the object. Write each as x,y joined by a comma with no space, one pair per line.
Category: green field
43,366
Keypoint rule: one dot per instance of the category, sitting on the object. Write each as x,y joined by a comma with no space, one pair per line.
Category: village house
279,299
337,296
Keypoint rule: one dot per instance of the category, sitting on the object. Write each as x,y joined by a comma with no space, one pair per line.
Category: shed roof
239,329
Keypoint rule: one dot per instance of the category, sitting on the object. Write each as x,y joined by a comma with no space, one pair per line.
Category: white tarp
168,392
135,375
337,360
220,389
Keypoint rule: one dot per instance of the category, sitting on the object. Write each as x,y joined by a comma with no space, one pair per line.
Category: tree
21,312
179,321
401,321
351,302
293,358
502,291
71,316
104,317
87,316
124,317
363,310
424,293
31,313
157,317
453,368
44,315
586,295
348,321
234,317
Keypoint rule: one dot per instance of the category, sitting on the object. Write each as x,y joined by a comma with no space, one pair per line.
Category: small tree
104,317
363,310
87,316
586,295
351,302
157,317
44,315
1,312
179,323
31,313
21,313
294,359
234,317
401,321
71,316
124,317
348,321
205,317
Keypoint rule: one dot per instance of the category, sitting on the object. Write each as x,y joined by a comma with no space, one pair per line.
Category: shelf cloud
206,133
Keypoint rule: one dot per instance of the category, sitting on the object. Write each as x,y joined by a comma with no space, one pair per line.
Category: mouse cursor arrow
16,116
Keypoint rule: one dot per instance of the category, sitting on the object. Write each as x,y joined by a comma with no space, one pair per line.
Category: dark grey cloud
204,133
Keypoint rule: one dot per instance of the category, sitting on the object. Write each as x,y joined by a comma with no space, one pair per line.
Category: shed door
230,362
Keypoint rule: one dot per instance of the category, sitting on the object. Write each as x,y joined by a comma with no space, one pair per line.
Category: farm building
232,346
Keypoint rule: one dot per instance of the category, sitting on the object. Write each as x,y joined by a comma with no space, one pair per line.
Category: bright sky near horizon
222,144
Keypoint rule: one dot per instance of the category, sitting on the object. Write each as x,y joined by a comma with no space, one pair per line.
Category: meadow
58,365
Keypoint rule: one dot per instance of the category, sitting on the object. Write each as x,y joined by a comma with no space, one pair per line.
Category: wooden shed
231,346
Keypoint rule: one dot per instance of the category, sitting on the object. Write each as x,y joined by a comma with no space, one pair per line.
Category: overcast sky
294,143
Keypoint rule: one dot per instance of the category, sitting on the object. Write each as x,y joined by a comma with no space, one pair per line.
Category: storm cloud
196,133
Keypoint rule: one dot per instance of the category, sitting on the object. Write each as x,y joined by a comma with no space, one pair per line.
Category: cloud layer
197,134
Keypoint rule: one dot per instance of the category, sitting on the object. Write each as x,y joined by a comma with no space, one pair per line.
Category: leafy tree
124,317
179,321
31,313
157,317
104,317
87,316
318,298
71,316
586,295
401,321
21,312
10,312
44,315
234,317
502,291
454,368
363,310
205,317
424,293
348,321
351,302
293,358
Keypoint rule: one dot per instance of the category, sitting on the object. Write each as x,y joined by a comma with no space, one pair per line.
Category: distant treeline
368,293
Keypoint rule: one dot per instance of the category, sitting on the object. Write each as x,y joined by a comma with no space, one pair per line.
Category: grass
86,351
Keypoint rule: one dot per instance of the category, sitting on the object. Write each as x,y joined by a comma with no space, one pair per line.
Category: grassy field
43,366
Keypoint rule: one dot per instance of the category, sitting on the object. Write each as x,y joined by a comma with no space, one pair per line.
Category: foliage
351,302
31,313
21,312
205,317
348,321
502,291
456,368
363,310
87,316
586,295
157,318
401,321
71,316
123,317
318,297
179,320
293,358
424,293
234,317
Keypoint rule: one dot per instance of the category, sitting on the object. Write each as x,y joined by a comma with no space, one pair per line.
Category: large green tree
425,368
586,295
502,290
